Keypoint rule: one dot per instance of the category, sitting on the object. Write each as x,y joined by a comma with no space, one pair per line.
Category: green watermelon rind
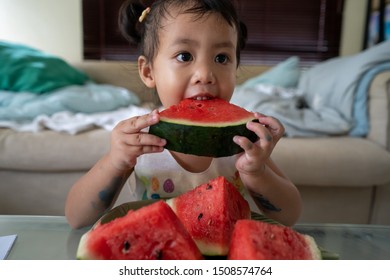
82,251
315,251
210,249
212,141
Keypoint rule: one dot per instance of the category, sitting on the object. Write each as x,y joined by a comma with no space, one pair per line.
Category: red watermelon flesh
209,213
216,112
256,240
149,233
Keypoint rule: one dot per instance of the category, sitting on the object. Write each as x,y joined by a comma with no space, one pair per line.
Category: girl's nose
204,74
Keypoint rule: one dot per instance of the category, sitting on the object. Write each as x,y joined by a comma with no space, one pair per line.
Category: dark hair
145,34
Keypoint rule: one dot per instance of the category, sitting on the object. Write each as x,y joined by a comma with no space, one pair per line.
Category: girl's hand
128,141
253,160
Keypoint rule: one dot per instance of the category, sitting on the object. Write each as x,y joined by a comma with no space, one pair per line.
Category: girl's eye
222,58
184,57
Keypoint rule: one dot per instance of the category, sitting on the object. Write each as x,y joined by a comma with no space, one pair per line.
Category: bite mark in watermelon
204,127
209,213
149,233
256,240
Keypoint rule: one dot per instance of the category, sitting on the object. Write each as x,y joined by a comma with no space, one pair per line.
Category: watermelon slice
149,233
255,240
209,213
204,127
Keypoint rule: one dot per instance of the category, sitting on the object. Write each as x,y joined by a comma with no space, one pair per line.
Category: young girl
190,49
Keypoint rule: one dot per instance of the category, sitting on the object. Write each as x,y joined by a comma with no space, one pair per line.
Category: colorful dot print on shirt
152,187
168,186
155,196
145,181
155,184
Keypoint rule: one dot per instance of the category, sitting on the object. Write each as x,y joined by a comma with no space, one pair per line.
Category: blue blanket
330,99
360,109
88,98
336,85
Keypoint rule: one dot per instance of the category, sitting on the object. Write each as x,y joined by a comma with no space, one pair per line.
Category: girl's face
196,58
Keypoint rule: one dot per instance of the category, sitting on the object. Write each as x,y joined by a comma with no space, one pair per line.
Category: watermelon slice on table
204,127
209,213
150,233
255,240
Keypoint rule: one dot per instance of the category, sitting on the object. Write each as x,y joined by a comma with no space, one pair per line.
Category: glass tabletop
351,242
51,238
41,237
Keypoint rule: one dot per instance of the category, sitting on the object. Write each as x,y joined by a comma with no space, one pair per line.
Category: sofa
342,179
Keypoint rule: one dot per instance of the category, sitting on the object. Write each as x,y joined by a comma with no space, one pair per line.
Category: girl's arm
275,195
98,189
94,193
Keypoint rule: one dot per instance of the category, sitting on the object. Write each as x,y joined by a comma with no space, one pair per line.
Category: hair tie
144,14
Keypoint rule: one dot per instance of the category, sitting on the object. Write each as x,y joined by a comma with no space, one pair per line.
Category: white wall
55,26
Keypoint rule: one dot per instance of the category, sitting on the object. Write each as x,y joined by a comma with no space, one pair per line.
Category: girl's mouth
203,97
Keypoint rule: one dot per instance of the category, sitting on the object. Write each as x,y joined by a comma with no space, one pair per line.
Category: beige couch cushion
123,74
333,161
51,151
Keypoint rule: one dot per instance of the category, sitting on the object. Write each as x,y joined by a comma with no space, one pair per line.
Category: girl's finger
274,125
144,139
136,124
251,149
261,131
243,142
140,150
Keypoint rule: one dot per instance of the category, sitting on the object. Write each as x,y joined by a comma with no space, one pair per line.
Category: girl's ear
145,72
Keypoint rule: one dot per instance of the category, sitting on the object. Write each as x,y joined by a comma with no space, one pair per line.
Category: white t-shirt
158,175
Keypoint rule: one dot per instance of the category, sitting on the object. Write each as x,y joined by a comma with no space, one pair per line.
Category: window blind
277,29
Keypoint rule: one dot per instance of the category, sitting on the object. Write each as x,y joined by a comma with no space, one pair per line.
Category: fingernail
260,115
154,115
249,125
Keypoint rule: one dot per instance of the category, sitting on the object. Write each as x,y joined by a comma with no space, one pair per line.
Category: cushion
26,69
341,157
360,110
285,74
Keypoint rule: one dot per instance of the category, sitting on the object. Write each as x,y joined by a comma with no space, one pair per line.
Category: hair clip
144,14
